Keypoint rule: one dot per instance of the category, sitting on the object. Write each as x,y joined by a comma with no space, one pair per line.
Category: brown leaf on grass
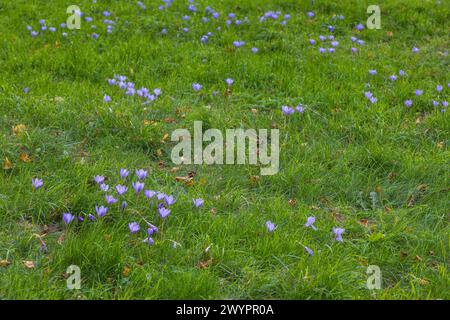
292,202
159,153
126,271
364,222
390,34
411,200
403,254
4,263
213,211
164,138
7,165
423,282
254,111
254,179
205,264
391,176
19,129
418,258
24,158
169,120
422,187
161,165
29,264
337,216
174,169
61,239
440,144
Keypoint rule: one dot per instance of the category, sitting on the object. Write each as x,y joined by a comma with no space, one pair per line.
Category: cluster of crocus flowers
130,89
287,110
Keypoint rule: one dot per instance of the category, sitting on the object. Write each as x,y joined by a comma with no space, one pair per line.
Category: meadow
87,179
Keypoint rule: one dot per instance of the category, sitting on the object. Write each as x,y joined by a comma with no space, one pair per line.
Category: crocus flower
418,92
373,100
322,38
138,186
270,226
198,202
439,88
312,41
300,109
101,211
373,72
287,111
169,200
229,81
151,229
445,104
134,227
393,77
149,193
149,241
37,183
435,103
104,187
110,199
106,98
91,217
331,50
255,50
124,173
163,212
310,223
197,86
408,103
80,218
68,217
311,14
359,27
402,73
43,247
121,189
160,195
141,174
334,43
322,50
99,179
309,251
415,49
338,233
354,50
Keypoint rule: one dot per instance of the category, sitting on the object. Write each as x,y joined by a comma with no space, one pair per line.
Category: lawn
363,150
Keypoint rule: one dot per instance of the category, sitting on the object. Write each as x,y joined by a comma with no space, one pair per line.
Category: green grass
331,158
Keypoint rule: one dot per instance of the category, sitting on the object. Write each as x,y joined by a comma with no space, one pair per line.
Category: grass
342,149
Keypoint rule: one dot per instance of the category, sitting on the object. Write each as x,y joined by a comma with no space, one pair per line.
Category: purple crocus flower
138,186
123,206
151,229
310,223
43,247
101,211
68,217
99,179
197,86
445,104
354,50
311,14
373,72
408,103
149,193
37,183
169,200
334,43
373,100
91,217
163,212
160,195
124,173
309,251
80,218
312,41
322,38
110,199
229,81
331,50
238,44
141,174
322,50
134,227
418,92
270,226
287,111
198,202
402,73
359,27
104,187
106,98
435,103
338,233
255,50
439,88
149,241
300,108
121,189
393,77
415,49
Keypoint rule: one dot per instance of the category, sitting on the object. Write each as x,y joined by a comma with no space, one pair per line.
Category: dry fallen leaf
4,263
29,264
205,264
292,202
19,129
24,158
61,239
7,165
126,271
440,144
364,222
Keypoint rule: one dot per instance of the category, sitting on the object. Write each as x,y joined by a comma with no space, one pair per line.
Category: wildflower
163,212
149,193
338,233
309,251
91,217
169,200
121,189
95,35
124,173
197,86
331,50
311,14
287,111
373,72
402,73
310,223
80,218
134,227
435,104
104,187
368,94
408,103
149,241
138,186
106,98
110,199
160,195
270,226
300,108
37,183
151,229
360,42
322,38
445,104
198,202
335,43
68,217
373,100
255,50
359,27
43,248
99,179
229,81
439,88
312,41
418,92
34,33
101,211
322,50
141,174
238,44
393,77
415,49
354,50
